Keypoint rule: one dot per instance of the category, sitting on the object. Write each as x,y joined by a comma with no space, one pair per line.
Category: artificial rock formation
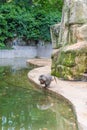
70,61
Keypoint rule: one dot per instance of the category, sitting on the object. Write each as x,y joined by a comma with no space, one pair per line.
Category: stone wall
41,51
19,51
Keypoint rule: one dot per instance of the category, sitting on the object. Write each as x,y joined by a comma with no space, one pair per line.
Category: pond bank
74,91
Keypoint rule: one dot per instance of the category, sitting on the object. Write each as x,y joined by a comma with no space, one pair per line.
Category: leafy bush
2,46
44,21
3,29
29,24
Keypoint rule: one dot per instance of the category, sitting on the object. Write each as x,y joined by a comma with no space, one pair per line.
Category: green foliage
2,46
49,5
3,30
23,3
33,23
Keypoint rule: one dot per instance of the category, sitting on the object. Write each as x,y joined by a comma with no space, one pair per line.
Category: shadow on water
24,108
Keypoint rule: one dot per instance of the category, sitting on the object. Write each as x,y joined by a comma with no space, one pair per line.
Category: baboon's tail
54,78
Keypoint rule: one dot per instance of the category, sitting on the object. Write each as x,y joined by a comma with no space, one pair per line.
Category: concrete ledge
75,92
39,62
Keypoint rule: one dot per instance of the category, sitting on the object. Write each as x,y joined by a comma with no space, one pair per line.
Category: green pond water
23,107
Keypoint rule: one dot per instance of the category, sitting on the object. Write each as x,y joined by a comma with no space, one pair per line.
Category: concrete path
75,92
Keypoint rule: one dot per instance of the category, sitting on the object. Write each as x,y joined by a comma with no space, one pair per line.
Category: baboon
45,79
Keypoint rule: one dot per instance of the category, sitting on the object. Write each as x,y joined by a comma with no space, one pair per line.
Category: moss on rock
70,64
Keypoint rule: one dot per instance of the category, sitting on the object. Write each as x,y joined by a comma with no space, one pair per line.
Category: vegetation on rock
70,64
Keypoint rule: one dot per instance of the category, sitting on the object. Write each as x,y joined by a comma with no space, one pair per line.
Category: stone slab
39,62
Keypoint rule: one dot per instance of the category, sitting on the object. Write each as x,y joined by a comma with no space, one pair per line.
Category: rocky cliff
70,37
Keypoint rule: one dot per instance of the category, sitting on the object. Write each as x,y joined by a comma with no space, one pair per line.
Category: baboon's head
42,79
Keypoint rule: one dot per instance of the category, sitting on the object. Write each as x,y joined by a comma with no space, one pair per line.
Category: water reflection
24,108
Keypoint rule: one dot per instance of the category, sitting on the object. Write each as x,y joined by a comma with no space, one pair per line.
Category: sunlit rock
70,61
55,29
